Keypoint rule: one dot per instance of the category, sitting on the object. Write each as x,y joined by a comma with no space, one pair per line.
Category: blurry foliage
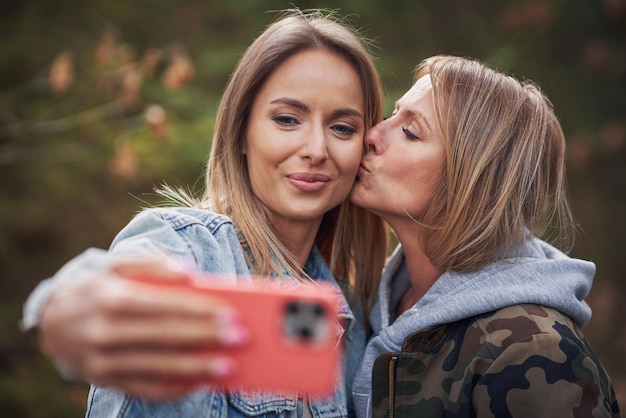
102,100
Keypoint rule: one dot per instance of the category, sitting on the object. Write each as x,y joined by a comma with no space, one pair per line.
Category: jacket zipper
392,385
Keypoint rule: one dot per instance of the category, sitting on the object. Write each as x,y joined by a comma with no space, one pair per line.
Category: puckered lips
362,170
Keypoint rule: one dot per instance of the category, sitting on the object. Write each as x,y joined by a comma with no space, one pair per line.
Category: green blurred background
102,100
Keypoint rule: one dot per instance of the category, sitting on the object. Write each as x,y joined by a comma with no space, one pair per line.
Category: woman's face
304,139
405,158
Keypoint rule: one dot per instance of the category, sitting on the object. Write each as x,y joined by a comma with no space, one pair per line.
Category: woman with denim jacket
286,148
477,316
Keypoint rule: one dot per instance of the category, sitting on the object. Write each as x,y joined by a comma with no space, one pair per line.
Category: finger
164,269
167,366
126,297
164,331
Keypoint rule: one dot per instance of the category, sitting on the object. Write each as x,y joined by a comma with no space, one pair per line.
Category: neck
422,273
298,237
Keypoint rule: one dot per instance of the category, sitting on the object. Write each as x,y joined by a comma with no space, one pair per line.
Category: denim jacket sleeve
210,243
202,238
205,239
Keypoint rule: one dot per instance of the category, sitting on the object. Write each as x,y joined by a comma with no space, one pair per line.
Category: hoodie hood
541,275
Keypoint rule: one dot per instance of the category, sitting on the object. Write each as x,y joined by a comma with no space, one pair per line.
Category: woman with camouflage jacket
476,315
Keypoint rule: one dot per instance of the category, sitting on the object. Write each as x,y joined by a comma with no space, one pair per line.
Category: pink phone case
295,335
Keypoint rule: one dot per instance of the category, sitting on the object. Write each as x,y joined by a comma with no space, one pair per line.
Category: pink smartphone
295,334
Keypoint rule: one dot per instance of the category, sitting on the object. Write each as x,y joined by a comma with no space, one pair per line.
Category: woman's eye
344,130
285,120
409,134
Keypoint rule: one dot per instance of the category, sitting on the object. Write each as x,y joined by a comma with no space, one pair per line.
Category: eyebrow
291,102
303,107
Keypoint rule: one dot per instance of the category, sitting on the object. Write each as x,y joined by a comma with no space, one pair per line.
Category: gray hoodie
541,275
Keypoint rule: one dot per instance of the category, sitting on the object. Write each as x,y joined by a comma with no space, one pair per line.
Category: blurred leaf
62,72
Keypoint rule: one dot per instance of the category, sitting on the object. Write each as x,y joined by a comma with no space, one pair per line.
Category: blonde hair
504,175
352,240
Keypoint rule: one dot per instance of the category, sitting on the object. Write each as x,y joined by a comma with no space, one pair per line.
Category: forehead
317,77
317,63
419,93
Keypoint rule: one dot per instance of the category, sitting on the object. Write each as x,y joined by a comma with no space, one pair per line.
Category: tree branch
108,110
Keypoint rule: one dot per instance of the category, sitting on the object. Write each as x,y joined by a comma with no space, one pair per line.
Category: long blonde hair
505,166
352,240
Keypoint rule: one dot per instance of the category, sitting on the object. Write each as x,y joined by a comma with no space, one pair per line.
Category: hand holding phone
294,334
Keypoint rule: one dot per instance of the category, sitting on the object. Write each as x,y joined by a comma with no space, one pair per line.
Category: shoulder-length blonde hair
352,240
504,175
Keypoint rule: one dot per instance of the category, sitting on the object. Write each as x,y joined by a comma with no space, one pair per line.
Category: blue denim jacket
211,243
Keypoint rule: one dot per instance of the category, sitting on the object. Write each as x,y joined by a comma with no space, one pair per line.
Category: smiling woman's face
304,138
405,158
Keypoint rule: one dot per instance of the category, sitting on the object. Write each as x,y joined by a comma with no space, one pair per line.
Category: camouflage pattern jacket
523,360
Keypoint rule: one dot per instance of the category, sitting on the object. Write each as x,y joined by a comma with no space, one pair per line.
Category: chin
358,201
353,198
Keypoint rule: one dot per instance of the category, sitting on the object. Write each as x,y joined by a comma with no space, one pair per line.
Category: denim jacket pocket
255,403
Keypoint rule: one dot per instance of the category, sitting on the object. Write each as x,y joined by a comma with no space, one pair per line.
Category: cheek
410,178
260,164
348,158
428,182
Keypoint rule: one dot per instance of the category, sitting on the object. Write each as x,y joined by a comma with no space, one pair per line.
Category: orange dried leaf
61,72
157,120
132,79
105,51
125,162
150,60
179,72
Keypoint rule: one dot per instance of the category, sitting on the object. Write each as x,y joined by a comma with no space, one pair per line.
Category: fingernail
234,335
221,367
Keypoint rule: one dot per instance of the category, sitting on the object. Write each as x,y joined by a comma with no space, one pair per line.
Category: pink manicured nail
221,367
234,335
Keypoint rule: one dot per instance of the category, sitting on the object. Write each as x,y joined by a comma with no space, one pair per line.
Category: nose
315,147
374,139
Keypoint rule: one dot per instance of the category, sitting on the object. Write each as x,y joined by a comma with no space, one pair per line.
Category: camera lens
305,333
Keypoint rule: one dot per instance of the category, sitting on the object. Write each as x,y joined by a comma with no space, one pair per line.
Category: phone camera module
305,322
